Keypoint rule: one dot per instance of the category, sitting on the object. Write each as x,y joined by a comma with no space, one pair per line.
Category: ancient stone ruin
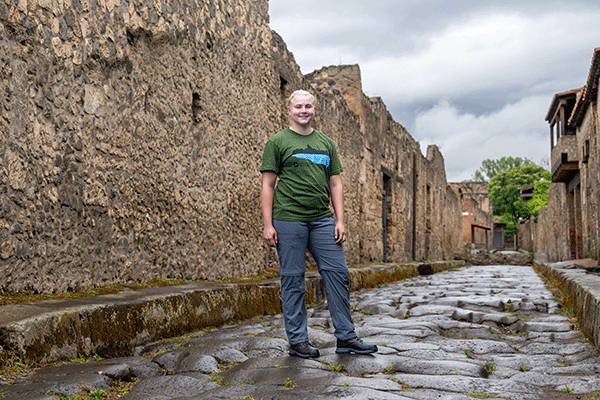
132,133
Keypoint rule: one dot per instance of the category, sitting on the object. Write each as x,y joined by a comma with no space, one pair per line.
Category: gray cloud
476,78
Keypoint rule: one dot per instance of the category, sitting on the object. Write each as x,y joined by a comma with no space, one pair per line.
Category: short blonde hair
300,93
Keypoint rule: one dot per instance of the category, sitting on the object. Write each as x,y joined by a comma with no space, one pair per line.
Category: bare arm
337,198
266,202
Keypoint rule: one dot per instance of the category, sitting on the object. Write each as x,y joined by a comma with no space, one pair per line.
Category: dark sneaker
355,345
304,350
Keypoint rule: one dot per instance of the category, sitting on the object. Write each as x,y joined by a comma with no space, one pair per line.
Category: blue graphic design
320,159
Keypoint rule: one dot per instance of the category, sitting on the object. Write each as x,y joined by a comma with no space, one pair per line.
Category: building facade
569,228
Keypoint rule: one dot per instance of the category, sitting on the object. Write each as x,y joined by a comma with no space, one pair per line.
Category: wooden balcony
564,170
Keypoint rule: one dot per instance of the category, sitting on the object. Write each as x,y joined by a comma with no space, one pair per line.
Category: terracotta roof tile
557,96
590,91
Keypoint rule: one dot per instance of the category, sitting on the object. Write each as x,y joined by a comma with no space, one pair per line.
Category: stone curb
111,325
582,293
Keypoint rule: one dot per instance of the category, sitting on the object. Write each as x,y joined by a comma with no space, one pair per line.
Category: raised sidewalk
111,325
579,280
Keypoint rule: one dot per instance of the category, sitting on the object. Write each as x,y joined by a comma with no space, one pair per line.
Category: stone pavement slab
461,346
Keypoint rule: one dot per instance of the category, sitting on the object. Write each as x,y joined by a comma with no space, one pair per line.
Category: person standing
297,217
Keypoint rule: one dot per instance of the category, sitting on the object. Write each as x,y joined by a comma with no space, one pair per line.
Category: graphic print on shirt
319,157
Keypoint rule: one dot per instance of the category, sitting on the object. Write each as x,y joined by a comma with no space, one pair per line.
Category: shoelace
302,346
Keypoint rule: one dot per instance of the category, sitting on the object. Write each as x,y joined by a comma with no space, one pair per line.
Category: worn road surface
471,333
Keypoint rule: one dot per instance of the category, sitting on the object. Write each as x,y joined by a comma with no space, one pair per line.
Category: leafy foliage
490,168
504,194
540,197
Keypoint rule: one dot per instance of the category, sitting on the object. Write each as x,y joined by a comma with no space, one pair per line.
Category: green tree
540,197
490,168
504,194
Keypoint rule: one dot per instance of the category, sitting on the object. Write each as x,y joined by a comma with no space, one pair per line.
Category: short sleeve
270,161
336,165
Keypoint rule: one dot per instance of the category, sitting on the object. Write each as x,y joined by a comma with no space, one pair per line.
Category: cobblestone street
474,332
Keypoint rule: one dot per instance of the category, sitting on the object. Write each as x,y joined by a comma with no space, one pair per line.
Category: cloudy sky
474,77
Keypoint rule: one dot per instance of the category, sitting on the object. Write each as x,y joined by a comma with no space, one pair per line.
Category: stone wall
549,234
589,171
525,235
131,138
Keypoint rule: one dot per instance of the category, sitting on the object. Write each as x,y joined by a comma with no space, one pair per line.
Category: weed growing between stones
118,390
14,367
182,345
489,368
289,384
337,368
223,367
486,394
567,389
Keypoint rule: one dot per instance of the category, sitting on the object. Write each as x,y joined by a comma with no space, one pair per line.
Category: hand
270,236
340,233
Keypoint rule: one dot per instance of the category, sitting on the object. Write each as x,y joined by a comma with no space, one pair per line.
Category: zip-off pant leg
291,250
294,238
331,262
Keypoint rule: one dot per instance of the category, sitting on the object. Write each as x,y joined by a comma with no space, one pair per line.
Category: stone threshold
580,285
113,324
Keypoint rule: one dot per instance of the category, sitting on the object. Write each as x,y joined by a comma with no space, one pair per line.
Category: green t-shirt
304,165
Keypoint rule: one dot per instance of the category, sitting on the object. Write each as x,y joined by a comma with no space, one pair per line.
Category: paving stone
365,364
476,346
544,379
555,348
145,371
172,386
549,337
499,318
544,327
456,384
526,362
118,372
144,396
227,356
585,356
438,367
197,362
428,394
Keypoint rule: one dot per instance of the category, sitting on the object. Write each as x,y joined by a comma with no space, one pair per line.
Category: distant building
476,215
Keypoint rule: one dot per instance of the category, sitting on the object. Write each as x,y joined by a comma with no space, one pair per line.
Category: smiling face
301,111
